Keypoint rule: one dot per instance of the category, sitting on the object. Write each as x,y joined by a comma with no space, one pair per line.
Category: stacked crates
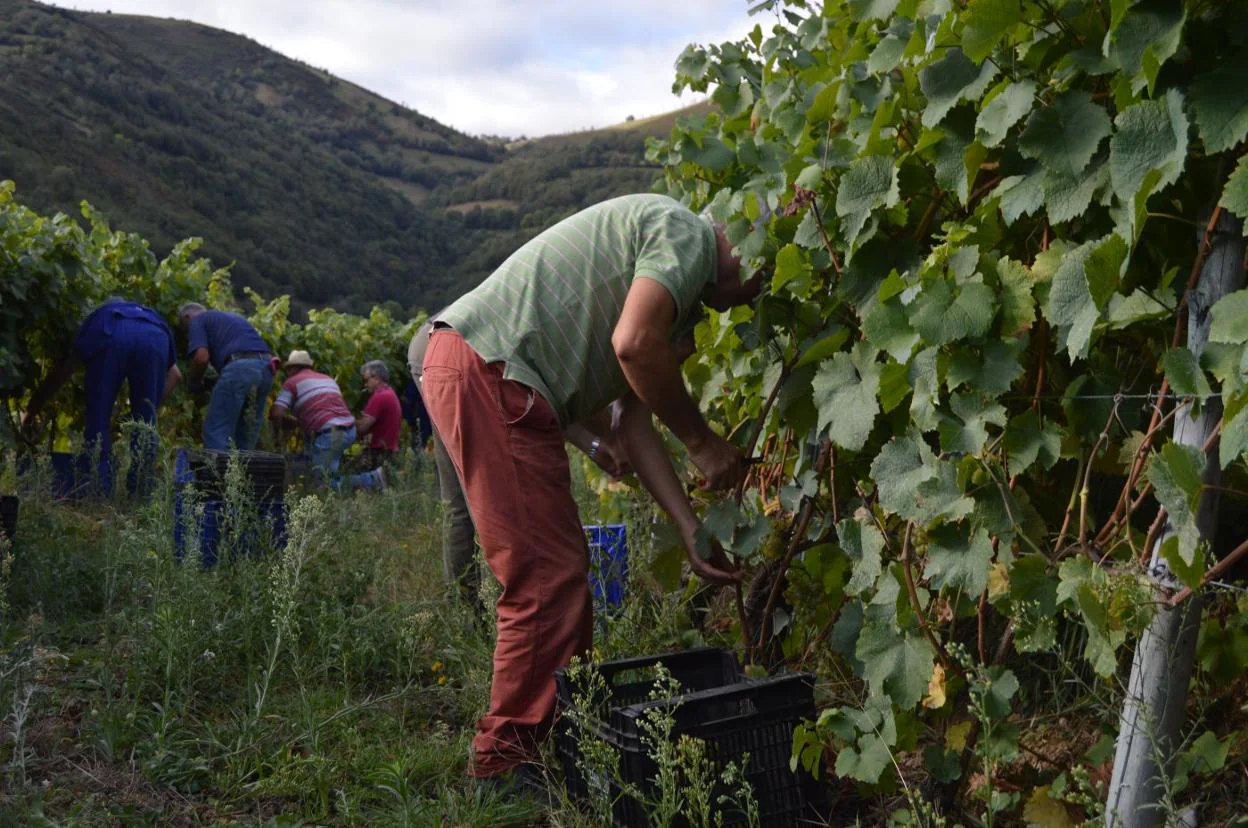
200,508
733,715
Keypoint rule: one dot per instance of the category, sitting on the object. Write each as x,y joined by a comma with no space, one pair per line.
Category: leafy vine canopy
989,215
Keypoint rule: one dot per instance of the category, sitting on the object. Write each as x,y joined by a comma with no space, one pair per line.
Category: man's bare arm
195,371
651,364
654,469
172,377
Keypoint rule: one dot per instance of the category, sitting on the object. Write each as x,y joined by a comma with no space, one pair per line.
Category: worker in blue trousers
120,341
245,370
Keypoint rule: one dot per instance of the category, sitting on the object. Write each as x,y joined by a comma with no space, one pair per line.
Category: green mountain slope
311,185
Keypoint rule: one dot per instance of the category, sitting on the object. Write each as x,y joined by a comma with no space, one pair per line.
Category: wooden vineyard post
1152,716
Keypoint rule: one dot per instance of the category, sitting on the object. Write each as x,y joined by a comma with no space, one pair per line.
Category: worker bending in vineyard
587,312
459,564
313,402
119,342
245,370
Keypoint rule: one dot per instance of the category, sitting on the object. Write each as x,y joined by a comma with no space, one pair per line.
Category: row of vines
54,272
991,220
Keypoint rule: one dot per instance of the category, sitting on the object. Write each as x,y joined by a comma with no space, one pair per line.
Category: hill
310,184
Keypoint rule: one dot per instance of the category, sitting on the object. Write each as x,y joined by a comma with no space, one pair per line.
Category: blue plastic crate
272,513
608,563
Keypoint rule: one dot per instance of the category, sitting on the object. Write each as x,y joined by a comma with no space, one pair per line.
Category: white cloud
505,67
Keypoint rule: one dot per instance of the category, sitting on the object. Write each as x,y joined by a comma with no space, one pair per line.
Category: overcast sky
501,67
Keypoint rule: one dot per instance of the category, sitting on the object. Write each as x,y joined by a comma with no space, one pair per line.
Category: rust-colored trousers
505,440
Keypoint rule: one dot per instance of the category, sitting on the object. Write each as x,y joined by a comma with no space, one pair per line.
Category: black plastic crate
630,681
205,470
755,717
732,714
8,517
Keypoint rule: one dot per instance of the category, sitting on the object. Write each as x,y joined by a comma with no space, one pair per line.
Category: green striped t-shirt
549,311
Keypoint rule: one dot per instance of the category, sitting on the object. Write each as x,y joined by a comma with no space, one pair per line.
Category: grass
334,682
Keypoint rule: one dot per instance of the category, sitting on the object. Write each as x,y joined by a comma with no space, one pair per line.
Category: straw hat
299,359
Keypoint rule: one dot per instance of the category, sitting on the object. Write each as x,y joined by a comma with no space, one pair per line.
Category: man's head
189,311
729,288
375,374
297,361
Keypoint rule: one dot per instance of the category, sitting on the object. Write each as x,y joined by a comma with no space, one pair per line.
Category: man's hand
717,569
612,458
721,462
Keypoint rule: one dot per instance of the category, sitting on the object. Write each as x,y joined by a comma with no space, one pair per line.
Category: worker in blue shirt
244,368
119,341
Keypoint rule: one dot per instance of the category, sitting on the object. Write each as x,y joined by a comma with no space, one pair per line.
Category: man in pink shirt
382,417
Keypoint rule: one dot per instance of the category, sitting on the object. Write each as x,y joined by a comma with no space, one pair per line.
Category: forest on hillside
309,185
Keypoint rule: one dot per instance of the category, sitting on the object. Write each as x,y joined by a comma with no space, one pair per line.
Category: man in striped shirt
313,402
588,312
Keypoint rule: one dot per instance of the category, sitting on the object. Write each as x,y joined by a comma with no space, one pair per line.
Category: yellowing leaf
955,736
998,581
1044,812
936,689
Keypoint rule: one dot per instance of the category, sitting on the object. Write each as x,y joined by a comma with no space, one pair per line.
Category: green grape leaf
966,431
1067,198
872,9
958,157
1027,440
1230,319
868,184
991,371
886,327
1064,137
1220,101
1147,37
886,54
1020,195
1188,570
864,761
1002,685
1085,279
987,21
792,270
824,347
1018,304
902,464
925,381
894,385
1175,473
1186,378
1235,196
958,558
1003,111
1125,311
863,543
896,664
942,313
915,485
1234,442
1150,137
845,392
713,155
949,80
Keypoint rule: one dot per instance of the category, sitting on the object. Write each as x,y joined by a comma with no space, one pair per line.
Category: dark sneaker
524,780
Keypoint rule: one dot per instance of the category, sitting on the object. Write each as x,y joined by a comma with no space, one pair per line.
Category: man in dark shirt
245,374
119,341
